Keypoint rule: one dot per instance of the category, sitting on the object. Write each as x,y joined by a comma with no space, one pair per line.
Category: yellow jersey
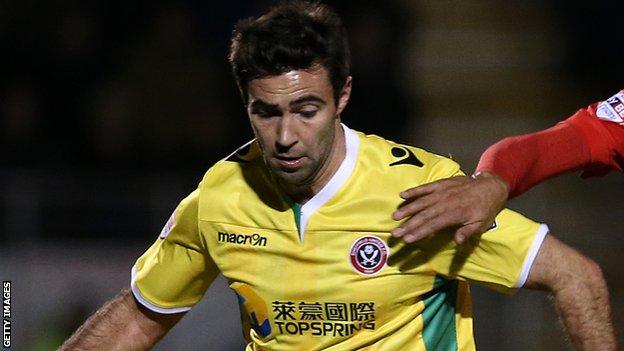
328,275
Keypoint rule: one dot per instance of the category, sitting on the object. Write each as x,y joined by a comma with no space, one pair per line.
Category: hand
469,204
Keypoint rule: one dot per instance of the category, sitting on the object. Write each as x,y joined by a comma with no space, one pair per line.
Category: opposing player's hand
468,204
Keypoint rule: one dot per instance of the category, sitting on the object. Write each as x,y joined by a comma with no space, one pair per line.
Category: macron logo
242,239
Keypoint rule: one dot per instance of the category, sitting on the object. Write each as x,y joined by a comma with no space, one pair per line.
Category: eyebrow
262,104
306,98
259,103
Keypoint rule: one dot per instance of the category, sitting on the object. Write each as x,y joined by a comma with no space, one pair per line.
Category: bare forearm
585,311
580,292
118,325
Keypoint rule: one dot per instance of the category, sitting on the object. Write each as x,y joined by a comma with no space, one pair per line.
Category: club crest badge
369,255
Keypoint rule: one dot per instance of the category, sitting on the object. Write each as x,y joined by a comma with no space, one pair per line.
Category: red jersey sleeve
602,127
591,140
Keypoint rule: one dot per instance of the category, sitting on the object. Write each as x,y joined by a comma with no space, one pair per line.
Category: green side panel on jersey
439,330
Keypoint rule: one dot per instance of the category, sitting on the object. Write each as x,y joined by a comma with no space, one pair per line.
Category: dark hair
293,35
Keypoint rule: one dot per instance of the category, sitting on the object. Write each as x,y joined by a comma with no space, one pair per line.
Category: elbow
593,275
585,277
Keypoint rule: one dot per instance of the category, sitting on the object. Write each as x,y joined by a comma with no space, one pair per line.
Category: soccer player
591,140
299,222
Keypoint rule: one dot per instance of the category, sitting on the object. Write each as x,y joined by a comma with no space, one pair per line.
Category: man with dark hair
299,222
271,45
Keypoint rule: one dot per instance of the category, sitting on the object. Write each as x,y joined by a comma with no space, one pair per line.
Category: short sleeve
500,258
175,272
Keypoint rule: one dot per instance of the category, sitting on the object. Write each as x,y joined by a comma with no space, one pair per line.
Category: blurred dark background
111,111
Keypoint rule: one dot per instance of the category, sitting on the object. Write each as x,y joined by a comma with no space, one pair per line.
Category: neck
302,193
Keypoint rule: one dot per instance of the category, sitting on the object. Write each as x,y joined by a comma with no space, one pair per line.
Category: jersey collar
304,212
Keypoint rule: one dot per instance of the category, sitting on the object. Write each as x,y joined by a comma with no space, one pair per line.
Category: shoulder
402,159
233,168
237,185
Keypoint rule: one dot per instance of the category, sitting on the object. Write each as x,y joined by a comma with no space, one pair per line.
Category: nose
286,133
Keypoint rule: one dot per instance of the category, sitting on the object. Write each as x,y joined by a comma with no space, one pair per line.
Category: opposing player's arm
121,324
506,169
580,293
592,139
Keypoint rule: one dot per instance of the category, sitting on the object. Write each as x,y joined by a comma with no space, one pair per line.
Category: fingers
465,232
412,207
433,207
421,197
429,188
464,203
425,224
418,191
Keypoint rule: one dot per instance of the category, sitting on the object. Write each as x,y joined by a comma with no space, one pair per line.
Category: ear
344,96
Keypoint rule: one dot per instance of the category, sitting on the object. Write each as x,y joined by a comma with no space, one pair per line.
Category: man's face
297,122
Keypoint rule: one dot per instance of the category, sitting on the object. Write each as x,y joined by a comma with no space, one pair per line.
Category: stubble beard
296,184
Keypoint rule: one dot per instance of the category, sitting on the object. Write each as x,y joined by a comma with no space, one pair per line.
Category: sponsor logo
612,109
242,239
168,226
323,318
369,255
313,318
255,309
408,157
